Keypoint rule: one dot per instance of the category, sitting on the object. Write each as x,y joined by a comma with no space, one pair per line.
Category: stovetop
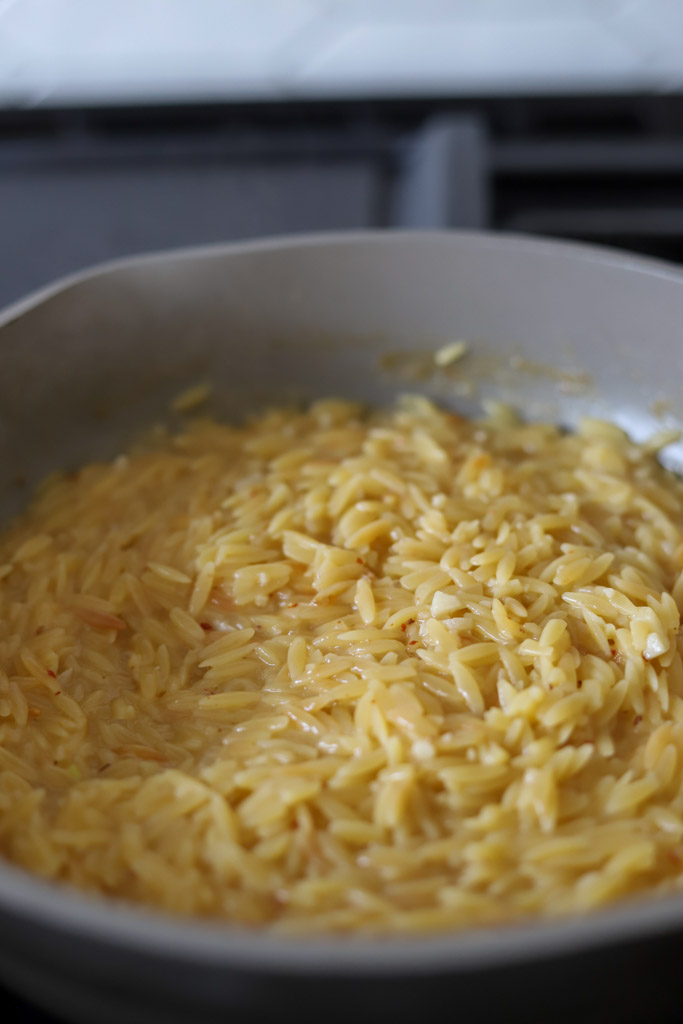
81,186
17,1011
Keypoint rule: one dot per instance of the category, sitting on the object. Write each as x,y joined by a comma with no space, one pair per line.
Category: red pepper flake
360,561
637,720
295,605
410,622
206,626
411,642
51,673
57,693
404,626
579,683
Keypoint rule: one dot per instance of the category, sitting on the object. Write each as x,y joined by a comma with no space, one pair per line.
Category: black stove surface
81,186
17,1011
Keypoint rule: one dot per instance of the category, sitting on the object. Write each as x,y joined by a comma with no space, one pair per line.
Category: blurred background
130,125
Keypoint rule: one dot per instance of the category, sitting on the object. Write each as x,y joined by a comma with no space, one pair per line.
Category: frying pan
558,329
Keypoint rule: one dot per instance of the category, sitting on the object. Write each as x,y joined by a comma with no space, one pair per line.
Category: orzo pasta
349,671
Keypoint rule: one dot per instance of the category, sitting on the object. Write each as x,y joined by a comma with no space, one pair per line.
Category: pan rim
189,940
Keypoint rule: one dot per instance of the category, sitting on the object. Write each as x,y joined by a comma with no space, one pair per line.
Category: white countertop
75,51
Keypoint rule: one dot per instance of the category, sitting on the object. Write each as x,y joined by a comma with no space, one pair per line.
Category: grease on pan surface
344,671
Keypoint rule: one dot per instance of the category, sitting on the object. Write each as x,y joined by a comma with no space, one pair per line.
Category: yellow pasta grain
336,670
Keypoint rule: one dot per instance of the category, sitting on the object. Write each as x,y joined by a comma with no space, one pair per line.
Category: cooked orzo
336,670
